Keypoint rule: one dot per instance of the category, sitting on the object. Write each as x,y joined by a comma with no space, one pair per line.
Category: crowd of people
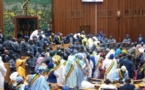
88,58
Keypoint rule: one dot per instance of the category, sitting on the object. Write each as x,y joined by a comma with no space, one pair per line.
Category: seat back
107,89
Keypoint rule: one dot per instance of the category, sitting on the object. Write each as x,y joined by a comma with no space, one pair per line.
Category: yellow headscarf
19,62
21,71
56,59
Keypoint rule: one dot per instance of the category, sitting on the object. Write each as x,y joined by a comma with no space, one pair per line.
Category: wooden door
25,25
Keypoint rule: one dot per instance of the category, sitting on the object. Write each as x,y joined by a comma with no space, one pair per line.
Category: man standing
24,46
141,70
129,65
1,36
48,30
71,74
2,73
38,81
31,63
8,45
109,65
59,69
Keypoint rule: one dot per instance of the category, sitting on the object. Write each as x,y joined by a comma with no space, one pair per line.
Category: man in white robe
90,40
109,65
97,59
3,71
60,71
36,33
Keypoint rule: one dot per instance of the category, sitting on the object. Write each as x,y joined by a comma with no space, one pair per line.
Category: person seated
107,85
12,82
126,40
127,85
140,39
111,40
119,75
48,30
52,38
58,38
20,83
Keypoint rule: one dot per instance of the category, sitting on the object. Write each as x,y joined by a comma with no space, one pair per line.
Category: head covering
124,51
123,68
79,56
50,65
127,35
56,58
39,69
107,49
13,55
141,50
26,37
14,76
19,79
19,62
65,88
111,56
43,54
39,61
142,42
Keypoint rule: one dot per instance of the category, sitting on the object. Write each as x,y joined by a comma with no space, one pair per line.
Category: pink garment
39,61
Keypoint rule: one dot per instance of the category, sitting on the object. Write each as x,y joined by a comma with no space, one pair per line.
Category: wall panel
69,15
107,20
1,15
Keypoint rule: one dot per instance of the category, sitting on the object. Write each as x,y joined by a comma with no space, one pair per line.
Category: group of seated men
88,56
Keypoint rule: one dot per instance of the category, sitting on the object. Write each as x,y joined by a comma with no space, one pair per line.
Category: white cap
141,50
13,76
123,68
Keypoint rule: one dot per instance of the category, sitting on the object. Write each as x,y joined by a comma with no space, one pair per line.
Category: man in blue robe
20,83
71,74
81,69
119,74
38,81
